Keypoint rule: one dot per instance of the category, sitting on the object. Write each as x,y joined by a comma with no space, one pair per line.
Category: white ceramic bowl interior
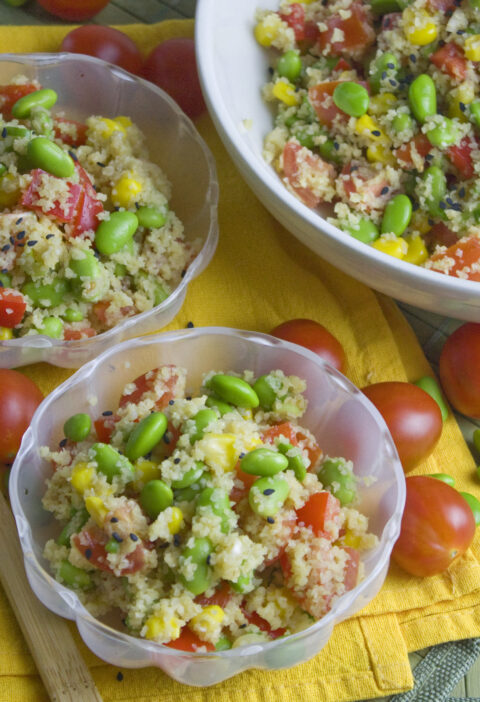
233,67
88,86
343,420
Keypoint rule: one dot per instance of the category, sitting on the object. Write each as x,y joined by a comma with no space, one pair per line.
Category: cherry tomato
73,10
459,369
20,398
412,417
313,336
105,43
173,67
437,527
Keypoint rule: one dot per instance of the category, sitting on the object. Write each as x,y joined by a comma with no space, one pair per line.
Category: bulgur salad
208,520
86,234
377,117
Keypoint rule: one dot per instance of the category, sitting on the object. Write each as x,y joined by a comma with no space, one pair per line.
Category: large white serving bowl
233,68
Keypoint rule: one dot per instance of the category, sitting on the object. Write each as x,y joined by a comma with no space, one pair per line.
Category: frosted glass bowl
89,86
343,420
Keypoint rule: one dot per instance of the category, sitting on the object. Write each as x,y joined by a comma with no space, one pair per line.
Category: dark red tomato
412,417
12,308
451,60
320,508
459,369
357,29
189,641
20,398
461,157
314,336
73,10
145,383
91,544
295,18
173,67
437,527
77,139
9,94
221,597
325,108
31,197
262,624
105,43
441,235
460,259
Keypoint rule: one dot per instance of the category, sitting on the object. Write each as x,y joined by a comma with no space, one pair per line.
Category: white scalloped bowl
233,67
86,86
343,420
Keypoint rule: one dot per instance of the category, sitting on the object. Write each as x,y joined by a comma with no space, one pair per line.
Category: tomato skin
461,157
459,369
172,66
437,527
12,307
9,94
460,257
358,33
317,96
451,60
320,508
412,417
404,152
105,43
20,398
189,641
314,336
73,10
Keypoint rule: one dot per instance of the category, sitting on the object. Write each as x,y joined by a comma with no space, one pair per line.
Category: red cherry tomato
20,398
412,417
173,67
437,527
313,336
105,43
73,10
459,369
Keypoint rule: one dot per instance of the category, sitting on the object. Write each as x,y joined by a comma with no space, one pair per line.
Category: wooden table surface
431,329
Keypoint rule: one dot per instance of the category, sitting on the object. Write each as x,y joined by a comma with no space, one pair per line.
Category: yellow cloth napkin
259,277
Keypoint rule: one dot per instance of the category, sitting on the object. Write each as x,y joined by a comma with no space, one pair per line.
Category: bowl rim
204,256
390,530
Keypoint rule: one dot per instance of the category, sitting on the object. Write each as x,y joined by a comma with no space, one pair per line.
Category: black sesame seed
429,157
4,132
457,207
190,325
166,439
188,397
49,236
336,145
271,71
354,168
442,205
73,156
413,58
119,676
99,163
137,205
415,206
63,443
12,240
6,247
384,75
462,106
209,559
4,270
32,242
107,413
384,190
392,82
270,520
449,200
88,553
460,32
176,461
176,540
19,220
461,192
117,537
165,545
324,3
268,491
134,537
1,284
114,520
22,244
148,456
391,65
171,402
242,455
375,132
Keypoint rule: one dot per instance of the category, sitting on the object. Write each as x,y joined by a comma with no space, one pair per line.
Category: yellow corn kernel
367,126
83,476
110,126
96,509
220,451
175,523
9,190
417,251
208,619
420,223
268,29
382,103
6,333
123,121
144,472
393,247
472,48
380,152
162,628
419,26
285,92
125,191
351,539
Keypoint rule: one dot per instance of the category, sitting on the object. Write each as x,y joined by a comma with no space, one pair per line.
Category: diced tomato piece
146,383
451,60
350,575
262,624
284,429
440,235
221,597
12,307
321,508
466,258
358,32
404,156
104,427
295,18
77,139
9,94
99,309
238,493
342,65
320,97
461,157
91,544
189,641
371,185
173,433
30,198
299,161
311,447
88,209
70,334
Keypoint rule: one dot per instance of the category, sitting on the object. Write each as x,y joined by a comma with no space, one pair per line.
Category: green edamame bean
74,577
402,122
267,495
364,230
72,315
382,68
243,584
145,435
198,554
422,96
335,474
435,186
42,121
39,98
295,462
444,134
5,280
444,477
151,217
476,439
190,477
78,519
475,113
85,267
188,494
112,546
16,131
110,462
263,461
431,386
328,151
155,497
474,505
49,295
77,427
223,644
218,404
114,233
266,392
46,154
234,390
305,134
384,7
351,98
217,500
290,65
202,420
52,327
397,215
